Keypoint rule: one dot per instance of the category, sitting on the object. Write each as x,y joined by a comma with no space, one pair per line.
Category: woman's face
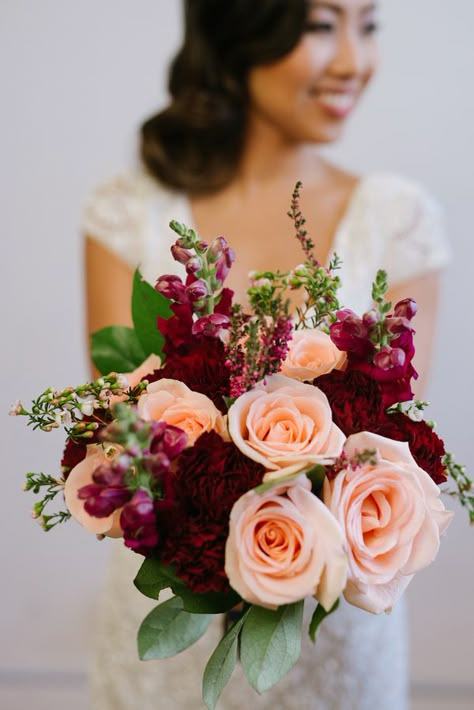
309,93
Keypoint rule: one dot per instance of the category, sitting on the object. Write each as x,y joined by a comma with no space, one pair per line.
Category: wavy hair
195,143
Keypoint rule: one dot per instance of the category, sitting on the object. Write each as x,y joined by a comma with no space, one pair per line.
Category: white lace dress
359,661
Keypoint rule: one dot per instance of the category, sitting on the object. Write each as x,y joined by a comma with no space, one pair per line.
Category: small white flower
87,405
15,409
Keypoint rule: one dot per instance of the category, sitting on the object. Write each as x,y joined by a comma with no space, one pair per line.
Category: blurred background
76,80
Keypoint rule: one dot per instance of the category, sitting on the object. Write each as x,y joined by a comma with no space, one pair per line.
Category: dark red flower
74,452
425,445
210,477
355,399
203,369
176,330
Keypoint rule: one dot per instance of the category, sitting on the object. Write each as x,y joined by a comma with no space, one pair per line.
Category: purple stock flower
138,522
171,286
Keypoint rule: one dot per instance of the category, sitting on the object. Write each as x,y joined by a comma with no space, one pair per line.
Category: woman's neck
269,158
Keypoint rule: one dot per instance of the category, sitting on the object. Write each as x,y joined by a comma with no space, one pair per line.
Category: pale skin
296,104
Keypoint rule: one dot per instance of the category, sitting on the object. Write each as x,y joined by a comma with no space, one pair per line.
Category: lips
338,104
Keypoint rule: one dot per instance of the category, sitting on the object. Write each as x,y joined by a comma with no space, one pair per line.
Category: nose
349,60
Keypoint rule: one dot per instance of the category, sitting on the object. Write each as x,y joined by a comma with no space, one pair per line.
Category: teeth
339,101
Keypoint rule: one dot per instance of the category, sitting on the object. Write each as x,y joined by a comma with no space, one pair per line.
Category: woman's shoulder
127,211
406,223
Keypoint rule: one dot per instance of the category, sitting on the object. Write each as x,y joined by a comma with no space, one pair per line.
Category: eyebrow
337,8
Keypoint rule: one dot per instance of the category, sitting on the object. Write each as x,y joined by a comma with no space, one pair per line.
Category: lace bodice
359,661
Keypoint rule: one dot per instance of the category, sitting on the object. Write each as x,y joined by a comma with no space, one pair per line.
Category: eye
321,27
370,28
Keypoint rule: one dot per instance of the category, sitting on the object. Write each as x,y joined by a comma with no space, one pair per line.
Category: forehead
342,6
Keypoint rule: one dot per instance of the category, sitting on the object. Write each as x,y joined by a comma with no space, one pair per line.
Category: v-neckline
336,242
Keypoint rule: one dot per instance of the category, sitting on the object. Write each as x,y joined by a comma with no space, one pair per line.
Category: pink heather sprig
344,462
299,221
207,267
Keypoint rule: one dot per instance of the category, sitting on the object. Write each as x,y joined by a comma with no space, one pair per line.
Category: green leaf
270,644
168,630
221,664
209,603
153,576
319,615
315,474
147,305
116,349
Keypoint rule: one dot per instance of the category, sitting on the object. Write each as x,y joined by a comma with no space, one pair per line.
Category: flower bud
171,286
197,290
370,318
406,308
211,326
138,522
180,254
193,265
388,357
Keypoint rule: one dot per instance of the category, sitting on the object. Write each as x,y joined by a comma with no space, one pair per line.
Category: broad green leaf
319,615
270,644
221,664
153,576
168,630
116,349
315,474
209,603
147,305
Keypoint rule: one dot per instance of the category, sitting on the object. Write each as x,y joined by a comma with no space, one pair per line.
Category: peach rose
284,545
81,475
311,354
173,402
285,425
392,517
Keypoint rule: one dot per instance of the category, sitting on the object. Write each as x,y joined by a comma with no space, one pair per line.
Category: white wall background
76,79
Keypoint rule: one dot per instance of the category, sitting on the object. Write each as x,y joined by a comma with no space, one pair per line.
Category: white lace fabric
359,660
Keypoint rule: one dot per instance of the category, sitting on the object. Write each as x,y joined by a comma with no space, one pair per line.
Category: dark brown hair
195,143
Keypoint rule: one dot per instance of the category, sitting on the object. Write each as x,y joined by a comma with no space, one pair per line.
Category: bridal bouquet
253,458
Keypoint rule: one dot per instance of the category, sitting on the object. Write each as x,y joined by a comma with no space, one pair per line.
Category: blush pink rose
173,402
285,425
392,517
81,475
284,545
311,354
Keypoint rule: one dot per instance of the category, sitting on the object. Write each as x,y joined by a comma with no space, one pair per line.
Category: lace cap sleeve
117,215
416,240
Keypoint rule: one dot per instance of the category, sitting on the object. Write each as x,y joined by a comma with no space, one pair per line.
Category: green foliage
169,629
319,615
221,664
147,305
116,349
464,492
270,644
153,576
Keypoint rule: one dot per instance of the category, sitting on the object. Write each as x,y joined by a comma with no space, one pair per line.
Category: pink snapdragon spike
101,501
197,290
212,326
406,308
172,287
180,254
350,333
138,522
388,357
171,441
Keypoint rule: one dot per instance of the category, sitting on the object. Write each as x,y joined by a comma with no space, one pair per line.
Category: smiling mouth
338,104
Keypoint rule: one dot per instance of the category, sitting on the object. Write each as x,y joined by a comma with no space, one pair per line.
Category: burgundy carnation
425,445
202,369
74,452
210,477
355,399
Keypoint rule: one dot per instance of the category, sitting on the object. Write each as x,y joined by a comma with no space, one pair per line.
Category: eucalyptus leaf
221,664
319,615
116,349
153,576
147,305
168,630
270,644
